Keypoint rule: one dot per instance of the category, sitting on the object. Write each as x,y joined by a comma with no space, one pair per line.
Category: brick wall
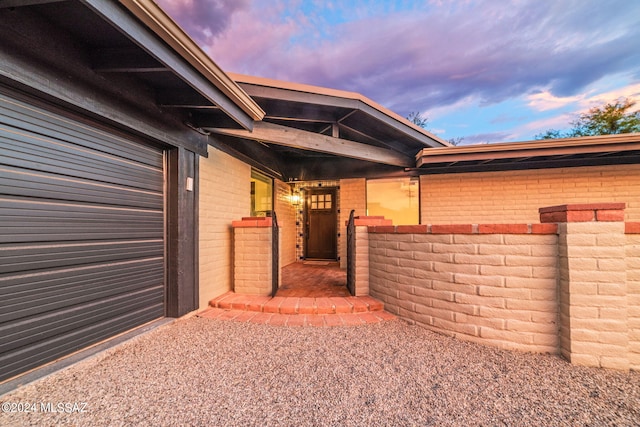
570,284
497,289
353,195
515,196
593,294
225,189
252,256
286,213
594,307
633,288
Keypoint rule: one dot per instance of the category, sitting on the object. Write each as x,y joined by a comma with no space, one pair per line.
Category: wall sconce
296,199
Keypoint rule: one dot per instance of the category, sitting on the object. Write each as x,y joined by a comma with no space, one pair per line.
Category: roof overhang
126,62
298,103
565,152
168,30
328,131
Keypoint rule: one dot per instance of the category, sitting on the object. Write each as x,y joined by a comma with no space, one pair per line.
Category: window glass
261,194
321,202
396,199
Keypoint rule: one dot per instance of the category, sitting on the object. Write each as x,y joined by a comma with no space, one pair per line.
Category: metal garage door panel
21,115
24,220
32,152
18,181
81,234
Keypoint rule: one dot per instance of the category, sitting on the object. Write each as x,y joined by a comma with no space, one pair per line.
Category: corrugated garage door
81,235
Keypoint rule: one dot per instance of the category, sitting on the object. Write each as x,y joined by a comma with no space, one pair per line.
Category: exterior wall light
296,199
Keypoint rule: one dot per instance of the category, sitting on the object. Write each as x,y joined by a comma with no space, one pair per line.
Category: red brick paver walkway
313,280
310,295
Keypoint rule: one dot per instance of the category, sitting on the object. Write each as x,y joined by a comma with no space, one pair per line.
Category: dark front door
321,223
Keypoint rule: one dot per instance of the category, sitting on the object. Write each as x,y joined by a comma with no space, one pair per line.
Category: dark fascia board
119,18
625,158
529,149
334,98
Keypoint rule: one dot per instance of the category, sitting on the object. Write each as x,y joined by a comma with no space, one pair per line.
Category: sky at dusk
481,70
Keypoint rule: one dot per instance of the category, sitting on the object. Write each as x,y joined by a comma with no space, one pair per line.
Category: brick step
297,305
298,320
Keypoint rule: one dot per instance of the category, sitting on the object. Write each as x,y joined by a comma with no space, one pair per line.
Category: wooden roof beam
281,135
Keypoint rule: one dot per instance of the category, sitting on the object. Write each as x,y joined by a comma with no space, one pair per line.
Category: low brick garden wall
632,254
494,284
569,285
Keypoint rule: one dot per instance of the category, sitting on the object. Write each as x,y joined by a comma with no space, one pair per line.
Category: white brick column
362,261
362,224
353,196
252,253
592,283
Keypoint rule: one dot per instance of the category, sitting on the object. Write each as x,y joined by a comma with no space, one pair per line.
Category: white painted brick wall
633,299
252,260
225,196
286,213
492,289
598,336
516,196
353,195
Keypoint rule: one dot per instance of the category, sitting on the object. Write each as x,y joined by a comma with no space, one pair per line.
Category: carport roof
312,132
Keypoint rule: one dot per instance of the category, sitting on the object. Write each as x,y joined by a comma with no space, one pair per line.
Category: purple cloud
486,138
433,55
204,20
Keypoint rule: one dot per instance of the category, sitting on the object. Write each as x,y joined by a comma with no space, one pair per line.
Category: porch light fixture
296,199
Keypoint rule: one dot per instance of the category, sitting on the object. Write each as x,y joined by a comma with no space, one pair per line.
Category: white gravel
208,372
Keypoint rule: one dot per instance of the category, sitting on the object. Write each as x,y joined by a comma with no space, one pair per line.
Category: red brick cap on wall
583,212
253,221
632,228
370,221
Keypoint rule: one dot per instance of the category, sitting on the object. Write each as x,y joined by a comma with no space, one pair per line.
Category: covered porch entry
319,146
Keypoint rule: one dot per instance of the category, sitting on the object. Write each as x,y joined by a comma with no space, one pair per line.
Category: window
261,194
396,199
320,201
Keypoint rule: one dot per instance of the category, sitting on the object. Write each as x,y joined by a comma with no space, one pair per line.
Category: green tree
456,141
550,134
612,118
418,119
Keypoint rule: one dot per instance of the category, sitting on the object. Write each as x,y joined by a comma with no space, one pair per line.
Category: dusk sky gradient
482,70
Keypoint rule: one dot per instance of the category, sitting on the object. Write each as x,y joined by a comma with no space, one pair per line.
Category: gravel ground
208,372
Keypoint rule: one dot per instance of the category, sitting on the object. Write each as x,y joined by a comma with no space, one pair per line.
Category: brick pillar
592,283
353,195
252,252
362,224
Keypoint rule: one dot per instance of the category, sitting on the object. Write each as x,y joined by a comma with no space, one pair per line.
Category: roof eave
172,34
414,131
564,146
